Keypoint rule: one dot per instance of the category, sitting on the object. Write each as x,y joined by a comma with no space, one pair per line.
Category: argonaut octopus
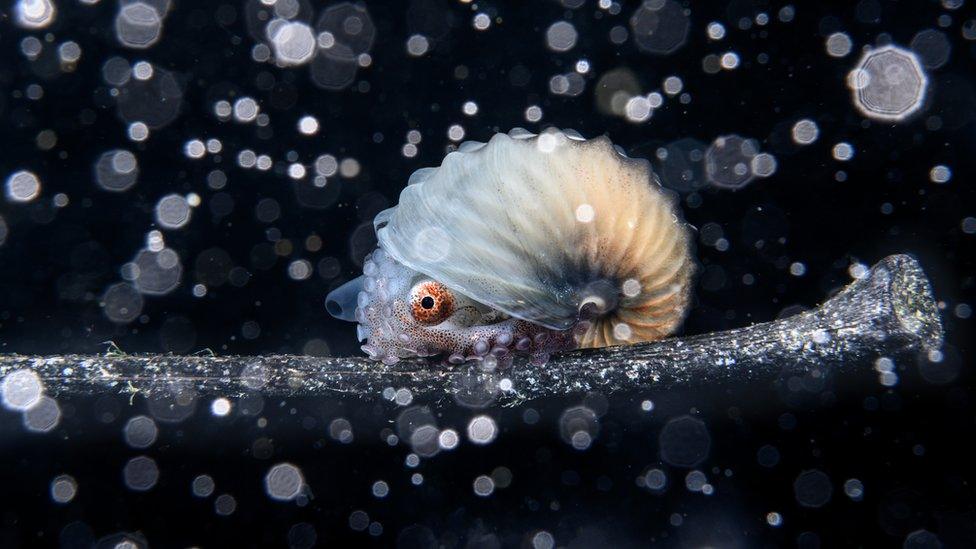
528,244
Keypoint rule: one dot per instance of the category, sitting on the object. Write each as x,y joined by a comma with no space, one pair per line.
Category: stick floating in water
890,310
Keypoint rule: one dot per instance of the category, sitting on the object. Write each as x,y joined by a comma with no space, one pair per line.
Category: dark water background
907,444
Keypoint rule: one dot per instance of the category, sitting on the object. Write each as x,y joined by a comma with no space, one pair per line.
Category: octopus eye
431,302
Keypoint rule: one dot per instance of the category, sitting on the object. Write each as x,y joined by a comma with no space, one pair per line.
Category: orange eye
431,302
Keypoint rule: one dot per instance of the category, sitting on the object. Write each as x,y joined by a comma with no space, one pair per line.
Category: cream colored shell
536,226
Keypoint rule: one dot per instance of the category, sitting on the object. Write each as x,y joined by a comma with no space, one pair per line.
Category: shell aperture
527,244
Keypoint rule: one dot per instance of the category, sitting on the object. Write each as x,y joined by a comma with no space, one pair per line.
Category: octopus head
403,313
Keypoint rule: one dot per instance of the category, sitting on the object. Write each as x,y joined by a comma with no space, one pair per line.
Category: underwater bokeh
195,177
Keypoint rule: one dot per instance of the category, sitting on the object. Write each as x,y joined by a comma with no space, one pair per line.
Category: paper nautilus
526,244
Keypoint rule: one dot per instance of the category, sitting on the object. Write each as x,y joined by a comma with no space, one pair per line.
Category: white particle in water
326,165
455,132
22,186
138,131
888,379
325,40
728,161
585,213
43,415
448,439
20,390
31,47
857,270
173,211
358,520
543,540
225,505
223,109
622,331
247,158
631,287
561,36
349,168
138,25
673,85
482,430
417,45
843,152
805,132
637,109
140,432
888,84
260,53
116,71
122,303
202,486
140,473
729,60
284,482
34,92
293,42
968,225
34,14
308,125
483,486
381,489
220,407
69,52
245,109
341,430
838,44
194,148
296,171
143,70
716,31
812,488
403,397
695,481
299,269
854,489
940,174
481,21
63,489
654,479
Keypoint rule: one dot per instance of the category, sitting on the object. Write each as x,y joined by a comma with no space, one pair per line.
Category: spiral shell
547,228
